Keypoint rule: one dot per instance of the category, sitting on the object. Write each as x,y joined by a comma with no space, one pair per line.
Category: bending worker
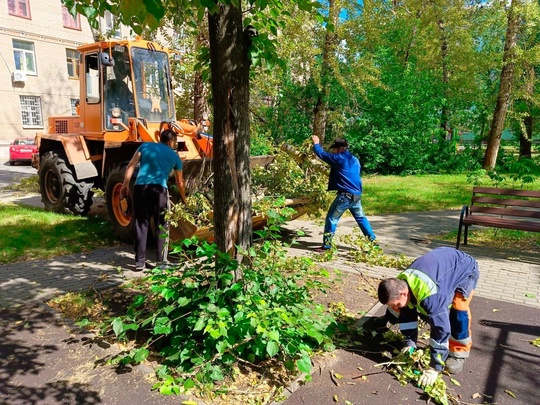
438,287
151,194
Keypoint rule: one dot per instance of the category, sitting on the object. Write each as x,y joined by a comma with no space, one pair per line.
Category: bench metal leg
458,240
466,234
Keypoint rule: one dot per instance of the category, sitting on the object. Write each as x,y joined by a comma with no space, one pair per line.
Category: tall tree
232,194
505,87
329,55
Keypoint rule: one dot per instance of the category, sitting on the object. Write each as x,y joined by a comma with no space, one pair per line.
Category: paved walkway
509,274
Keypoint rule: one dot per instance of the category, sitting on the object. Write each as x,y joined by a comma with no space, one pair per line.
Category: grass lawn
30,233
394,194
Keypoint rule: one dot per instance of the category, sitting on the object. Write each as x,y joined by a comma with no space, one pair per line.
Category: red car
21,150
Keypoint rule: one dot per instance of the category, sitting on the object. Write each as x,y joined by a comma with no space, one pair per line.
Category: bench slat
506,201
502,223
507,212
506,191
501,211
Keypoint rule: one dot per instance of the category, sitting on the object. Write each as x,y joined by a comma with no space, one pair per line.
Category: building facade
39,66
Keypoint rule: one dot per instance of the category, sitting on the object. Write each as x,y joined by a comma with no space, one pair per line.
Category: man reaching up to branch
345,179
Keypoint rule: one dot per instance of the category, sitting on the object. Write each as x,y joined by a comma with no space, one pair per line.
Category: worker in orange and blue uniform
438,287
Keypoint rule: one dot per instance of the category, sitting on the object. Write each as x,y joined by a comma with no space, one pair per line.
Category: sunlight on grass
31,233
385,195
498,238
394,194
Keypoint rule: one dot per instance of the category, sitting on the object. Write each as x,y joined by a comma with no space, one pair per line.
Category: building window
20,8
31,111
112,25
69,20
72,58
25,59
75,106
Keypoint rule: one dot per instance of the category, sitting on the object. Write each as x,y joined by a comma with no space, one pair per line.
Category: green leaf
183,301
510,393
455,382
140,355
162,329
222,346
272,348
273,335
155,7
304,364
189,383
200,324
118,326
139,300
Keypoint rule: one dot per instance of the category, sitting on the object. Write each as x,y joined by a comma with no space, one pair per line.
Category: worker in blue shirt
438,287
150,194
345,179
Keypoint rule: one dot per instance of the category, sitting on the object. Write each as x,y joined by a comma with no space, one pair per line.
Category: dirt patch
354,292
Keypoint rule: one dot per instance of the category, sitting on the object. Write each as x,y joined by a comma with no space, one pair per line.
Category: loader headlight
116,112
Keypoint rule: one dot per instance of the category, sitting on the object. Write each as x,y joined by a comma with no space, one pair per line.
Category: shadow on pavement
503,363
24,360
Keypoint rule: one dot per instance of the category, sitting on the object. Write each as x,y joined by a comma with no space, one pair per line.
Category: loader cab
123,81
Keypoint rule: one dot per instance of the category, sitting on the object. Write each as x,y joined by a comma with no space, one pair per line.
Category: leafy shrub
201,321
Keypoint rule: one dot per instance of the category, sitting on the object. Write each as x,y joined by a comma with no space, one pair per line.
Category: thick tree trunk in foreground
505,90
232,187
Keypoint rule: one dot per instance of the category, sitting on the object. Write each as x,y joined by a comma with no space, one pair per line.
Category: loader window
118,90
153,85
92,78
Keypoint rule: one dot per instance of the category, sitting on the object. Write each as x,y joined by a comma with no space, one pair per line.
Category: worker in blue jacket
345,179
438,287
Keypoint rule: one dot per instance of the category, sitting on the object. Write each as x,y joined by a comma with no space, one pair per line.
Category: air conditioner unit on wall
18,76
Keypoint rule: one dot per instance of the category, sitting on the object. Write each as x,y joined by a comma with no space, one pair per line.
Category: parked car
21,150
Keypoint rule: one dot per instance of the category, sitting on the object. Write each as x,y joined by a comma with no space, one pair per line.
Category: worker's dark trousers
150,201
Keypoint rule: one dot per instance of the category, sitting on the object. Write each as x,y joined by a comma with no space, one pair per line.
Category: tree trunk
321,107
505,90
525,140
445,126
232,187
200,97
200,93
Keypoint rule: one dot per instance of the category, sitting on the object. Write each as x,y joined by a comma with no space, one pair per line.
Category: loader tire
60,191
120,211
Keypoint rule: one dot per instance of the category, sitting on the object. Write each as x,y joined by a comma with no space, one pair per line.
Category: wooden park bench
501,208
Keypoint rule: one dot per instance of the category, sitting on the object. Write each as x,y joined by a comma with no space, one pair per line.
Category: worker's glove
428,377
408,350
124,192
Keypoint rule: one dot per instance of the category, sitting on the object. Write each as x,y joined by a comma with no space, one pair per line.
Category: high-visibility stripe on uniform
420,284
438,345
408,326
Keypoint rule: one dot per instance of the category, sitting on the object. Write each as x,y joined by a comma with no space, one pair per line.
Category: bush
205,320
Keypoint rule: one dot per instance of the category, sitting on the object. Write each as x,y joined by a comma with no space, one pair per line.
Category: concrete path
508,307
510,274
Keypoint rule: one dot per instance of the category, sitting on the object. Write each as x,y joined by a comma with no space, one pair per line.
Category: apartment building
39,63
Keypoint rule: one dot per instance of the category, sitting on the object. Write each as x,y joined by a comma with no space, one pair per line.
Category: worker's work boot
454,365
